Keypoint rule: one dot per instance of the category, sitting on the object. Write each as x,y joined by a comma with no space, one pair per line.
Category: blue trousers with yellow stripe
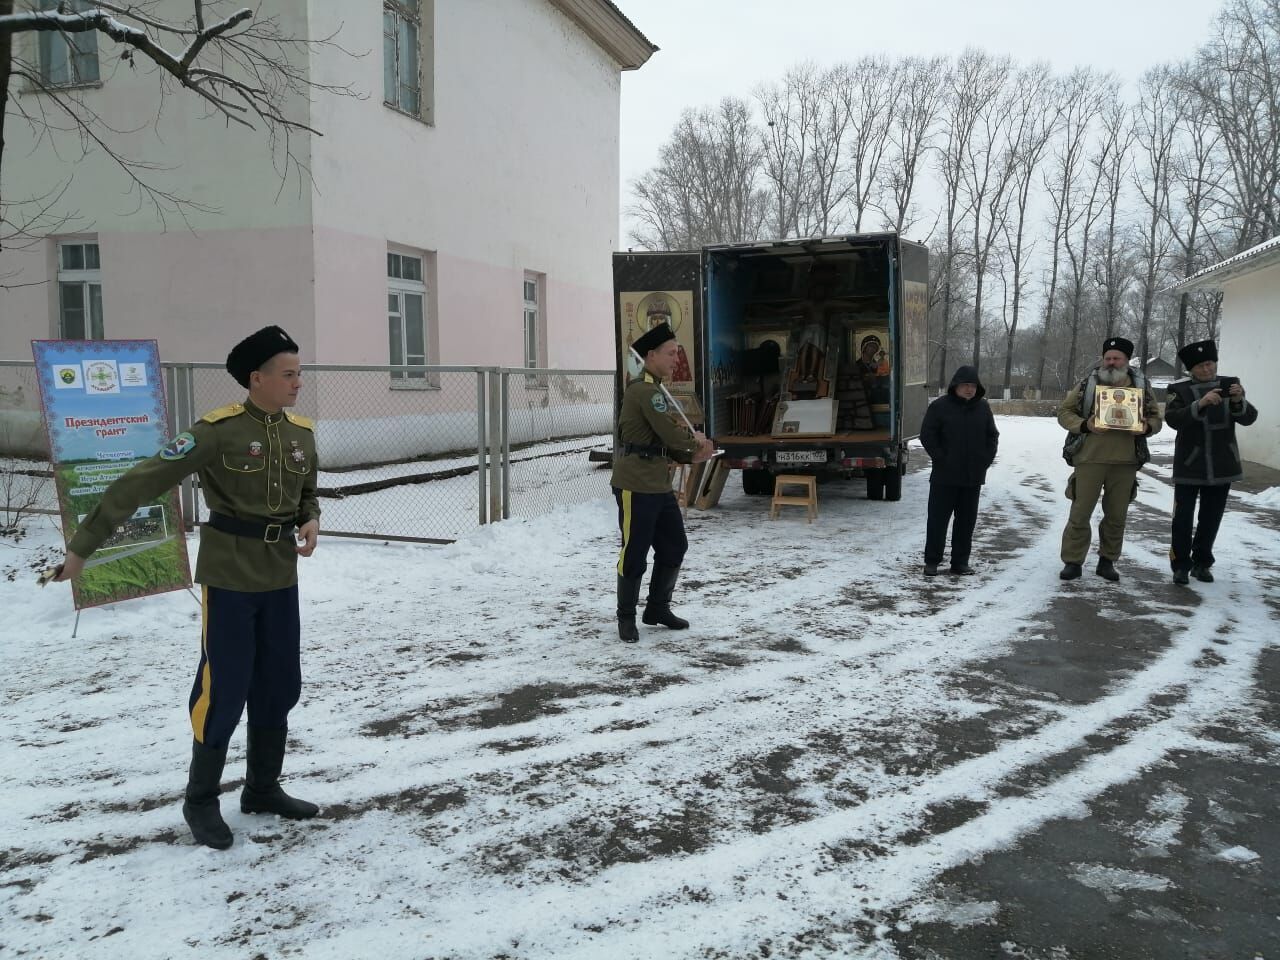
249,655
649,520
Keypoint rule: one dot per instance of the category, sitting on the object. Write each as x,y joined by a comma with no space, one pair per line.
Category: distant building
1249,343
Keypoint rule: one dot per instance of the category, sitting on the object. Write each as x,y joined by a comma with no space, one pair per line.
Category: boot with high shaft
658,609
200,805
628,597
262,792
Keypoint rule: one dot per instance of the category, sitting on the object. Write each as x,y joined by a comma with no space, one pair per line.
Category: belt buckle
266,533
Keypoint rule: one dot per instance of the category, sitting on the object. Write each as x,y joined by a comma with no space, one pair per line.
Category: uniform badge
255,449
659,403
296,454
178,447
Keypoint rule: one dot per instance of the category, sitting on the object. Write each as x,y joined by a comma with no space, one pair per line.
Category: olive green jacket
645,420
253,465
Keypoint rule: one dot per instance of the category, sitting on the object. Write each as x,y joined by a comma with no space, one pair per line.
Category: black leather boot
628,597
200,808
262,793
658,609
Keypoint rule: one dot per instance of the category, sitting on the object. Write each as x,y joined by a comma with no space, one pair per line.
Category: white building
462,209
1249,342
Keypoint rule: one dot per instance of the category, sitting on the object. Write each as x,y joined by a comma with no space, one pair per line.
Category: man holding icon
647,440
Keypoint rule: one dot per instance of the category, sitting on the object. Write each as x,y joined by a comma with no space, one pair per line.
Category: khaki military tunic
645,421
255,466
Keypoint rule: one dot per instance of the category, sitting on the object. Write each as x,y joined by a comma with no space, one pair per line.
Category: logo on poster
66,377
101,376
133,374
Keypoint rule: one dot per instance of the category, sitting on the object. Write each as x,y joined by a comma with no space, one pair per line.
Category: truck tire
757,483
893,483
875,484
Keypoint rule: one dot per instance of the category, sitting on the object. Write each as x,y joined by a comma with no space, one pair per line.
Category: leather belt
254,529
643,450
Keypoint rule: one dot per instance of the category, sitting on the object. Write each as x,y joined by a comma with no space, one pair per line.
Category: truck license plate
801,456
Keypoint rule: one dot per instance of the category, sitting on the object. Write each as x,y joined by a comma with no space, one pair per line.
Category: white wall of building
1249,349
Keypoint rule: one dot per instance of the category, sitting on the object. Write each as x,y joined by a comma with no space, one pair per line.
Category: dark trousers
248,655
1198,549
649,520
947,502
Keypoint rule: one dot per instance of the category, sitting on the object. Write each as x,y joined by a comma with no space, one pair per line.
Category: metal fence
406,453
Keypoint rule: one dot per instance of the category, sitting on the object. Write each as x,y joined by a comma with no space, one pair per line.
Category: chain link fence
406,453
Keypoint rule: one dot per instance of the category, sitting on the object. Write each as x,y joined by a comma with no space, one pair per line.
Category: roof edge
609,27
1245,262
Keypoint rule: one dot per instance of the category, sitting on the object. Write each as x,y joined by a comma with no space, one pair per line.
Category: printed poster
104,410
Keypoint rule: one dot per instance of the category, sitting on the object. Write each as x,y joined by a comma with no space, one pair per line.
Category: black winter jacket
1205,453
960,436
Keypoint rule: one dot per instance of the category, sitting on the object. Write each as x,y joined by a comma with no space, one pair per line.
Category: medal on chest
296,453
255,449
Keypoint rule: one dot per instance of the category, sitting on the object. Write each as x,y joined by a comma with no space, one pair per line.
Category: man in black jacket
959,434
1204,409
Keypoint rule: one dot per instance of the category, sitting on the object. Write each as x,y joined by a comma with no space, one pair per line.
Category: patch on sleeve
659,402
178,447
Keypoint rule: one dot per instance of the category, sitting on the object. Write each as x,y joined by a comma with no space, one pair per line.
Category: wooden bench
780,499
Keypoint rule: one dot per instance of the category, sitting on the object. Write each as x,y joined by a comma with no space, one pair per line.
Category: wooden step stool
808,501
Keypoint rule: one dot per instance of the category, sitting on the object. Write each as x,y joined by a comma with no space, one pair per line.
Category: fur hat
653,339
1198,352
255,350
1119,343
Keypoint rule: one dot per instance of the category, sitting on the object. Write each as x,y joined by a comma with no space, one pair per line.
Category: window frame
88,279
410,11
69,44
399,287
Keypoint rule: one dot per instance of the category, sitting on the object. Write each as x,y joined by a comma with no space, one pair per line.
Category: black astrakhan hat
1198,352
255,350
653,339
1119,343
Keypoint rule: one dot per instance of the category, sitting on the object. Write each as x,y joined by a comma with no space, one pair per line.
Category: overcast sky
710,49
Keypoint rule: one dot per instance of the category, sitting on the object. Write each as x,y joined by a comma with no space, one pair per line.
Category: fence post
482,470
506,444
495,446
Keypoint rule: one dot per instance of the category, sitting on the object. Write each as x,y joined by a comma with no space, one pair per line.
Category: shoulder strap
298,420
223,413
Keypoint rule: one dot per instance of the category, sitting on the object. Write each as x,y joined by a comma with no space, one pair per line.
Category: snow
501,777
1238,855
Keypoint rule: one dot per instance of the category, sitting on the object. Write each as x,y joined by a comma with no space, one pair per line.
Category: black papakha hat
1198,352
255,350
1119,343
653,339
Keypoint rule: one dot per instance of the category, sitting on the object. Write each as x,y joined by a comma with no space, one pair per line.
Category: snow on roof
1213,277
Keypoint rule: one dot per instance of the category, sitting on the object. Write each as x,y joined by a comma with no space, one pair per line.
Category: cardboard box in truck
797,356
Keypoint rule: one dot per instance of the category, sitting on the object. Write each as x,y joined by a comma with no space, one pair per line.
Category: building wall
1250,350
517,172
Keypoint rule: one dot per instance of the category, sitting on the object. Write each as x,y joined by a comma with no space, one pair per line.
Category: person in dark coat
959,434
1204,409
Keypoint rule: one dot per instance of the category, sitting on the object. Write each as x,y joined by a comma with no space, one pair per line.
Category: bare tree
913,117
986,168
706,186
1236,82
1080,99
1035,121
865,91
1113,163
241,68
1155,122
788,108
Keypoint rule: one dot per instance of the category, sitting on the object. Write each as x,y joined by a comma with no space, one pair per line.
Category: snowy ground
841,758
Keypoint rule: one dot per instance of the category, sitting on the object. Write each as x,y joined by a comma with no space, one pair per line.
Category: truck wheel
893,483
875,484
757,483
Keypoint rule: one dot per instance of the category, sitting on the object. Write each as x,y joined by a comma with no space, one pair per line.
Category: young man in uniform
1106,464
648,513
257,467
1204,409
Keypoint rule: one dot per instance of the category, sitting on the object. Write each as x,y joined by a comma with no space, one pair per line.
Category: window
79,291
406,314
401,76
67,59
532,338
